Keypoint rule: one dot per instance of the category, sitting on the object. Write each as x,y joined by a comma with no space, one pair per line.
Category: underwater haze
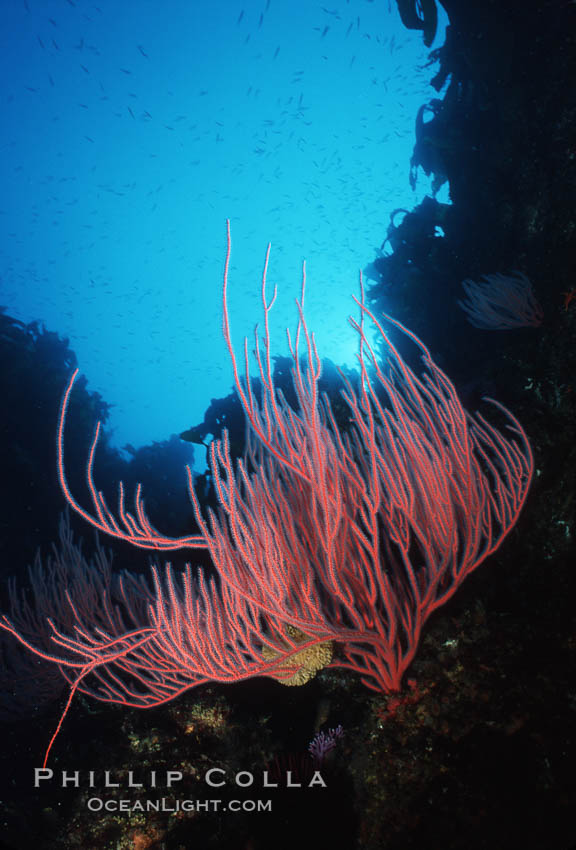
130,133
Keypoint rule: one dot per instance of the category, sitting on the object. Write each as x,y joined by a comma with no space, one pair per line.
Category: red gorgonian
331,546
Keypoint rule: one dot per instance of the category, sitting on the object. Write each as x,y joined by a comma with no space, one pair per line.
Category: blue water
130,132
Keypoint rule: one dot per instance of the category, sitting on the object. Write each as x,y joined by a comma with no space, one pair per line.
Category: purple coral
501,302
324,742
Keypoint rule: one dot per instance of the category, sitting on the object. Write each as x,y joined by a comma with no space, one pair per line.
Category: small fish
143,52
